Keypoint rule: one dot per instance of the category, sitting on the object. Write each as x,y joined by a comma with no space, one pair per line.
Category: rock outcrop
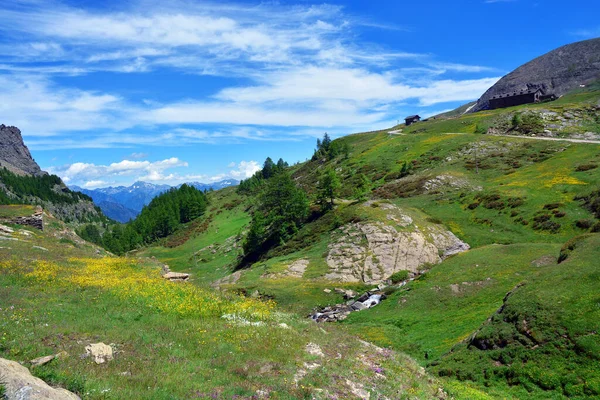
372,251
556,72
19,384
100,352
14,155
173,276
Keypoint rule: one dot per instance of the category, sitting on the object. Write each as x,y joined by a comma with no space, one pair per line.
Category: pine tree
363,189
327,190
268,168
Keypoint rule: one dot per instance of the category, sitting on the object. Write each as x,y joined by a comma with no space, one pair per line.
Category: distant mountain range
123,203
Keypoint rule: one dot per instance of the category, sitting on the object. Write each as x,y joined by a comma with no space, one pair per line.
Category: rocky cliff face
14,155
556,72
55,198
370,252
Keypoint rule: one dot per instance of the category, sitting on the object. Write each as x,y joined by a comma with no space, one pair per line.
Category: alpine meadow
225,202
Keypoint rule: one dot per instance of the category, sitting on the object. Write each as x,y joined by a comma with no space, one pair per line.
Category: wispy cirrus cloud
298,69
588,33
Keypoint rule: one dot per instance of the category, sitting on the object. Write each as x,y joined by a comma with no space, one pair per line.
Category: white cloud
90,175
97,175
94,184
245,169
302,67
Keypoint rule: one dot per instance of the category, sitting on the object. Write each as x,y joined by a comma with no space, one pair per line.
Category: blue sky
110,92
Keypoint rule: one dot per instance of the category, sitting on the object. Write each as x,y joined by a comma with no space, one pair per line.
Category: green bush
584,223
399,276
527,123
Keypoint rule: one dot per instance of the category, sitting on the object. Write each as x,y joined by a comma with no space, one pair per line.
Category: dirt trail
553,139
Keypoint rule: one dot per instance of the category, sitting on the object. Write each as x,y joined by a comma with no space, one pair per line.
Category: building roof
412,117
519,93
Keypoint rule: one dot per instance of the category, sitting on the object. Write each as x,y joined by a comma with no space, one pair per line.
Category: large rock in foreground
556,72
21,385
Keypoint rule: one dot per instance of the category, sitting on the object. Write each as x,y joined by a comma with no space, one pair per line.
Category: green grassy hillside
173,340
515,199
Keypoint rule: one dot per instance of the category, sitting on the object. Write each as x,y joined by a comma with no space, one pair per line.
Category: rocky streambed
354,303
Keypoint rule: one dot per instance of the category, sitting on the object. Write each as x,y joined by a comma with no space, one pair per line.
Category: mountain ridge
556,72
14,154
123,203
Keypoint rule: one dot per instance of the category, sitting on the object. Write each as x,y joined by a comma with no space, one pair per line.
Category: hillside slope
123,203
174,340
23,182
515,200
556,72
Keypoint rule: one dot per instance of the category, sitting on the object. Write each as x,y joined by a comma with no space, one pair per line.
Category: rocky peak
14,155
556,72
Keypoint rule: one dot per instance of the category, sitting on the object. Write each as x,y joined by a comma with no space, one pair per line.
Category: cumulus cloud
96,175
167,171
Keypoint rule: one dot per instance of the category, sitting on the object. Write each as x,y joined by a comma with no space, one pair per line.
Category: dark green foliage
559,214
514,202
45,187
329,149
552,206
585,167
91,233
399,276
159,219
282,209
527,123
363,188
592,202
584,223
253,184
327,189
568,247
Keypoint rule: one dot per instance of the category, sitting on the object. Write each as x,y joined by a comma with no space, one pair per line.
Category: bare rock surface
14,155
295,270
176,276
100,352
227,280
370,252
556,72
21,385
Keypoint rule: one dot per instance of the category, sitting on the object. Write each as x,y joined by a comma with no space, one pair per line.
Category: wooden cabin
412,119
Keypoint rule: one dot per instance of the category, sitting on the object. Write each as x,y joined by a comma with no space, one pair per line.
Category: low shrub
495,205
584,223
552,206
473,206
514,202
399,276
585,167
550,226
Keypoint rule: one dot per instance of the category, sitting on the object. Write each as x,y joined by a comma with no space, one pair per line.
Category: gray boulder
21,385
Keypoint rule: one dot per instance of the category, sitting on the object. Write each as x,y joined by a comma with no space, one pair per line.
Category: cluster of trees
282,209
43,187
159,219
269,170
328,149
